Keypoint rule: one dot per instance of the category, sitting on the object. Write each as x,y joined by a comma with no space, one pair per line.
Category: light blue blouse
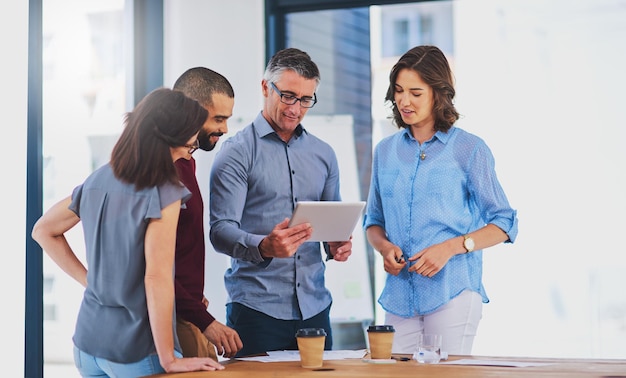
420,202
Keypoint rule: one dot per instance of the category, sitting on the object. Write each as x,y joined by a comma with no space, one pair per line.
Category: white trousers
457,322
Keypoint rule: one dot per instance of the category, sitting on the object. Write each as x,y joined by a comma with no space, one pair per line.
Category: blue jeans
90,366
261,333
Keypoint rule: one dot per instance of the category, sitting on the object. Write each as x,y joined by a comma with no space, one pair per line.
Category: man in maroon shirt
198,331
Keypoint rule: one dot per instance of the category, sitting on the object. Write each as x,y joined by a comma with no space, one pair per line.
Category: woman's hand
180,365
393,257
431,260
393,260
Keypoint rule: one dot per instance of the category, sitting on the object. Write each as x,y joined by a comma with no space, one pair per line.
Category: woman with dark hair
434,204
129,210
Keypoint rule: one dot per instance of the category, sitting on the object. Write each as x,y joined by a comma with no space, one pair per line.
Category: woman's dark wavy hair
164,118
431,64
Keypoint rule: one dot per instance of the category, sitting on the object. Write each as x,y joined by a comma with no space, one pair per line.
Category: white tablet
331,220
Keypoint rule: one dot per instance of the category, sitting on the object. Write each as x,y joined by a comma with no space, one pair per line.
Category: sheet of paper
495,363
294,355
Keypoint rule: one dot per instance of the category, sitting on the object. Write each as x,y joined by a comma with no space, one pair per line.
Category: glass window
400,36
83,107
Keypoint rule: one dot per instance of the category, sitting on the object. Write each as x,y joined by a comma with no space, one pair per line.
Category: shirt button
293,172
298,284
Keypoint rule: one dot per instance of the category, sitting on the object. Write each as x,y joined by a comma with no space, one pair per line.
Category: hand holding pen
394,260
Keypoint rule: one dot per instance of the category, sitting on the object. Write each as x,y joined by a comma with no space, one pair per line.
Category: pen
401,358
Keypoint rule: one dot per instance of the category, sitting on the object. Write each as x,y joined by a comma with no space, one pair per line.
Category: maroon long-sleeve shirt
190,252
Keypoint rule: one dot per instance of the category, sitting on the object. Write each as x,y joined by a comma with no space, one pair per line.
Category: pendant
423,155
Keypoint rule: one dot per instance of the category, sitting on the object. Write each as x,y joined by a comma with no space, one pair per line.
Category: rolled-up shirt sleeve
485,189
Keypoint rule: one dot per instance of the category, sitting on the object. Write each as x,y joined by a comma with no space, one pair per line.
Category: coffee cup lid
380,328
310,332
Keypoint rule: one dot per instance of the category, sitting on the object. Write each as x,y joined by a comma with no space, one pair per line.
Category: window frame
276,13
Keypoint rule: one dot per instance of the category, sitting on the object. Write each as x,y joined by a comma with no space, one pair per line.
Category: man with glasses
200,335
276,279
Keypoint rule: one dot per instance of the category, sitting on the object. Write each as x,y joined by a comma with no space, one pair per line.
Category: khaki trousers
193,342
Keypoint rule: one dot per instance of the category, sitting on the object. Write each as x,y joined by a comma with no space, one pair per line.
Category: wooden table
356,368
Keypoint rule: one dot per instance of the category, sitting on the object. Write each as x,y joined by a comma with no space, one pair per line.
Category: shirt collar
442,136
263,127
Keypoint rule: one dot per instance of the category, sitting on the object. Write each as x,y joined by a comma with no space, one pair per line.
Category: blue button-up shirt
420,202
256,179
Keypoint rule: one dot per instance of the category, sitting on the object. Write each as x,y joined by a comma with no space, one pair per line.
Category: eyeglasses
305,102
193,147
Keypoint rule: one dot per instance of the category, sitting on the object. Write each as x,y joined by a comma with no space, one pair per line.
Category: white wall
13,97
226,36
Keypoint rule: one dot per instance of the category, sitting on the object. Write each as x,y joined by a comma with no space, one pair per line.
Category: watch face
469,244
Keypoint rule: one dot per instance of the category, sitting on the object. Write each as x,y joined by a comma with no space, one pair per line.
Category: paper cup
311,346
380,338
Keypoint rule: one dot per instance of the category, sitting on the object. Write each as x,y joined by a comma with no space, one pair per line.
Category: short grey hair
291,59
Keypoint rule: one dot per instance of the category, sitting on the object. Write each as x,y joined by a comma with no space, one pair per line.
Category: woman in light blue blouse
434,204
